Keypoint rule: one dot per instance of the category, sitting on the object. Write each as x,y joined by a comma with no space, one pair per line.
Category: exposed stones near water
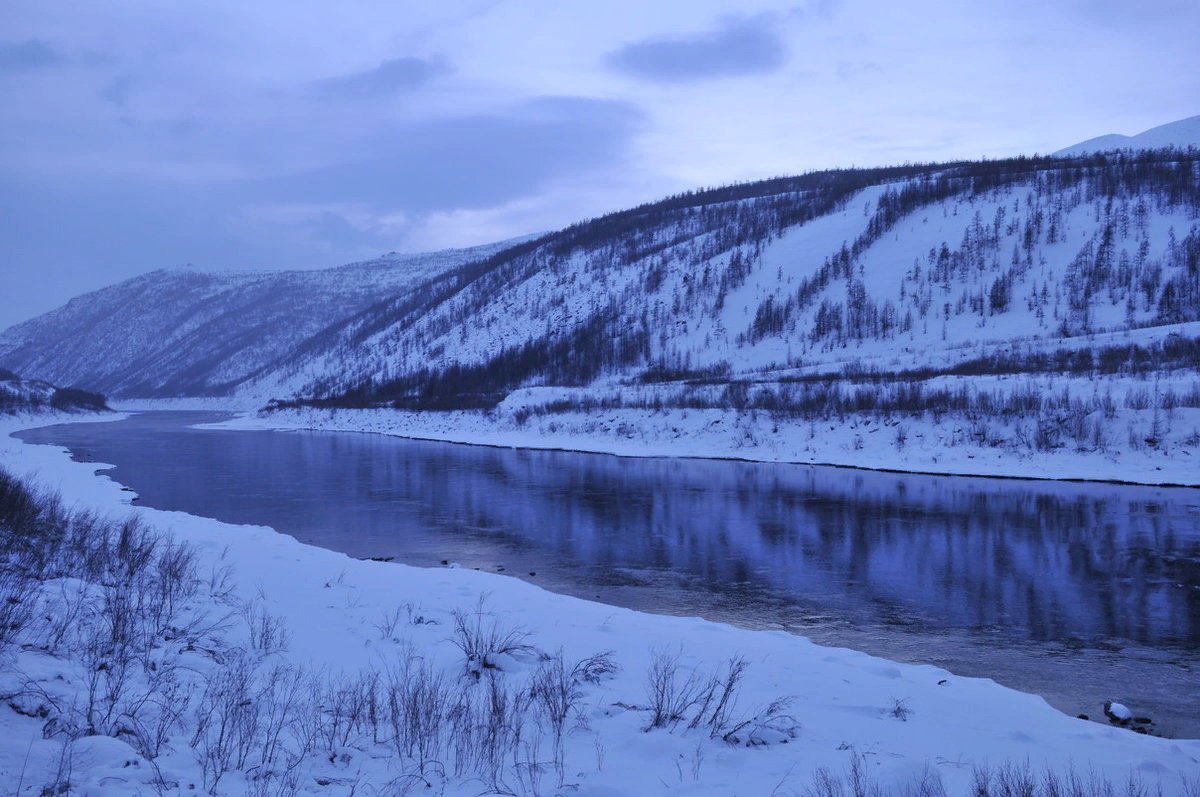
1117,713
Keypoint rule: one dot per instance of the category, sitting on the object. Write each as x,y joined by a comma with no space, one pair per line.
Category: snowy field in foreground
333,607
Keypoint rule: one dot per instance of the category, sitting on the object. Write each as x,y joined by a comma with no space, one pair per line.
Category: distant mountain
180,332
1182,134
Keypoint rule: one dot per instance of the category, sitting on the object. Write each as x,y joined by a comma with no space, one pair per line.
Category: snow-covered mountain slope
1182,134
181,332
907,268
920,267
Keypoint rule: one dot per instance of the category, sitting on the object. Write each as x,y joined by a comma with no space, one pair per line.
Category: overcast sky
293,134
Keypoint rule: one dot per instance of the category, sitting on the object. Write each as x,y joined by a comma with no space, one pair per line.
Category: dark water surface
1078,592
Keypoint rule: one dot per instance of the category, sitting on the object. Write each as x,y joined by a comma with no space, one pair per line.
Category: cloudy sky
293,134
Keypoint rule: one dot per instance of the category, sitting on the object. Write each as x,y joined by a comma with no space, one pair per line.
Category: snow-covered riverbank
945,446
899,718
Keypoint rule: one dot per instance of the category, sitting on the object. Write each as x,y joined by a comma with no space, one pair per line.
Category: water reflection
976,574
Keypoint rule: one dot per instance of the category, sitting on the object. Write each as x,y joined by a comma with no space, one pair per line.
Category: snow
932,446
1182,133
845,701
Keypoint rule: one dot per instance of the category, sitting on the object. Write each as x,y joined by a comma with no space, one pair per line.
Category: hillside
855,270
182,332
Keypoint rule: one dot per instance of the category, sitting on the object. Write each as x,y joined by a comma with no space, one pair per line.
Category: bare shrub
417,699
268,632
855,782
930,784
596,668
1013,779
417,617
672,696
482,639
720,699
227,720
1138,399
64,768
710,703
64,612
273,784
556,691
389,622
220,583
490,724
346,709
177,581
772,725
283,738
17,599
158,714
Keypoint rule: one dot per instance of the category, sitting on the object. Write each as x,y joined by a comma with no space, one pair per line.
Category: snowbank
941,447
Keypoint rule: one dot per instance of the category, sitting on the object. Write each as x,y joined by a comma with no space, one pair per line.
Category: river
1077,592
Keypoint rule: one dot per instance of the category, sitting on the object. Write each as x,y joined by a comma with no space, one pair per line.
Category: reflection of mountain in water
1050,561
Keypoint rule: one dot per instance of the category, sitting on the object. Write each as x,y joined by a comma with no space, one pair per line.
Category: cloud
393,76
741,46
117,90
67,231
27,56
470,161
847,70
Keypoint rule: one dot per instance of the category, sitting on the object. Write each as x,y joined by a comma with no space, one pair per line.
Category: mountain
1182,134
990,267
181,332
881,270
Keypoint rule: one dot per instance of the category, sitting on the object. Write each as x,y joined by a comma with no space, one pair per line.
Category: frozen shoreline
722,434
331,602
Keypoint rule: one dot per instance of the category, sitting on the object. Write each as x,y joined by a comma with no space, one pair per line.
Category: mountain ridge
1182,133
182,332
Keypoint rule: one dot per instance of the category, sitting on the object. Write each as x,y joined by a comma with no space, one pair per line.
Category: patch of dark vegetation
660,373
598,346
1174,352
25,395
73,398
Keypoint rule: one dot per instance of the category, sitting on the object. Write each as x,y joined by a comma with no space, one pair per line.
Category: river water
1079,592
